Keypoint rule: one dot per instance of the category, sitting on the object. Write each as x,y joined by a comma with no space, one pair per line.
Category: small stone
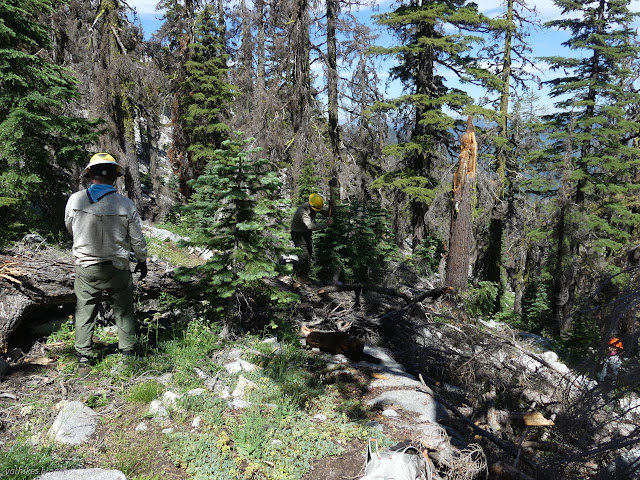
197,422
239,404
224,394
321,417
158,411
196,392
26,410
74,424
389,412
243,386
239,366
142,427
169,399
83,474
167,431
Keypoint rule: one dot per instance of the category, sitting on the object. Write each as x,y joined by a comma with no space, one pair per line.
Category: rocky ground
483,400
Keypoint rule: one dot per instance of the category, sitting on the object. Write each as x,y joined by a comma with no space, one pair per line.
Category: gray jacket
304,219
106,230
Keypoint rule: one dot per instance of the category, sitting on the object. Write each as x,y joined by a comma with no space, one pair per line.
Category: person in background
106,227
302,224
613,361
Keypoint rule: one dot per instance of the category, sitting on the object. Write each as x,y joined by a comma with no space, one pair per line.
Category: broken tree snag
460,233
31,284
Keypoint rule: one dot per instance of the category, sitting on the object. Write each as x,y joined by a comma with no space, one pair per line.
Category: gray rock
321,417
158,411
84,474
239,404
425,406
389,412
170,399
32,239
142,427
239,366
243,387
74,424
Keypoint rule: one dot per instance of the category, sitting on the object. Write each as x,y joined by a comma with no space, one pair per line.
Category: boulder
84,474
74,424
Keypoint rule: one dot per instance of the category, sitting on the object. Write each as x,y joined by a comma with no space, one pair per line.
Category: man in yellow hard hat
106,227
302,224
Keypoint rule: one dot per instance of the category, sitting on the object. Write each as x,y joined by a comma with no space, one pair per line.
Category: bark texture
461,233
28,284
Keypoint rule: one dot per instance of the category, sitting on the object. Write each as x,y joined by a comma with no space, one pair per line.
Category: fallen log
357,287
29,284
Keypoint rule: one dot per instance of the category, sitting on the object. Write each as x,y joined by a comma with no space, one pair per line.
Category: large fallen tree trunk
29,284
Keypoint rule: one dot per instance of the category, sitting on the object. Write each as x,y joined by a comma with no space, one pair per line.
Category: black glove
142,268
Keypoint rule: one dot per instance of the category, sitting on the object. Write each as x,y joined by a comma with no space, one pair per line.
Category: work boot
84,366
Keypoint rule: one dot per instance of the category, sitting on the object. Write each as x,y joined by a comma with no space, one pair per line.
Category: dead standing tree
461,234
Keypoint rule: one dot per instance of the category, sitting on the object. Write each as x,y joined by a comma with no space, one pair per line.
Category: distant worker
613,361
106,227
302,225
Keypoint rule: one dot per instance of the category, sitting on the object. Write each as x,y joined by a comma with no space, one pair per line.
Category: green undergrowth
22,461
276,436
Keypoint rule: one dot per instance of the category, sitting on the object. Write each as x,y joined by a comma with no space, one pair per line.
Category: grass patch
145,392
25,462
169,251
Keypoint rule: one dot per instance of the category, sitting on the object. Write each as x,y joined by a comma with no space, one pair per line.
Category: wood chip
379,376
536,419
39,361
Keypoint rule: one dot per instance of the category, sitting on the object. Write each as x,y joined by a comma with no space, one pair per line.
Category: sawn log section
28,284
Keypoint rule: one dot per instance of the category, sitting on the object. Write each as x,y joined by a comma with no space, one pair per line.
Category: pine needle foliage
40,144
307,182
235,212
209,92
435,38
357,245
588,162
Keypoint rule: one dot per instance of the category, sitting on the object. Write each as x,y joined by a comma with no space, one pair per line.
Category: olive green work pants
303,241
89,284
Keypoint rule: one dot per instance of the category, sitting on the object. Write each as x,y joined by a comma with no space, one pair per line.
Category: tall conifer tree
435,36
590,158
209,94
40,144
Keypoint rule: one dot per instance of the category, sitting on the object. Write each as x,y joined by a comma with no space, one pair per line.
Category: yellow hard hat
316,201
102,159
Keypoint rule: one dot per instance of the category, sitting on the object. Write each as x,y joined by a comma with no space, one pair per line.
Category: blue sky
543,43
